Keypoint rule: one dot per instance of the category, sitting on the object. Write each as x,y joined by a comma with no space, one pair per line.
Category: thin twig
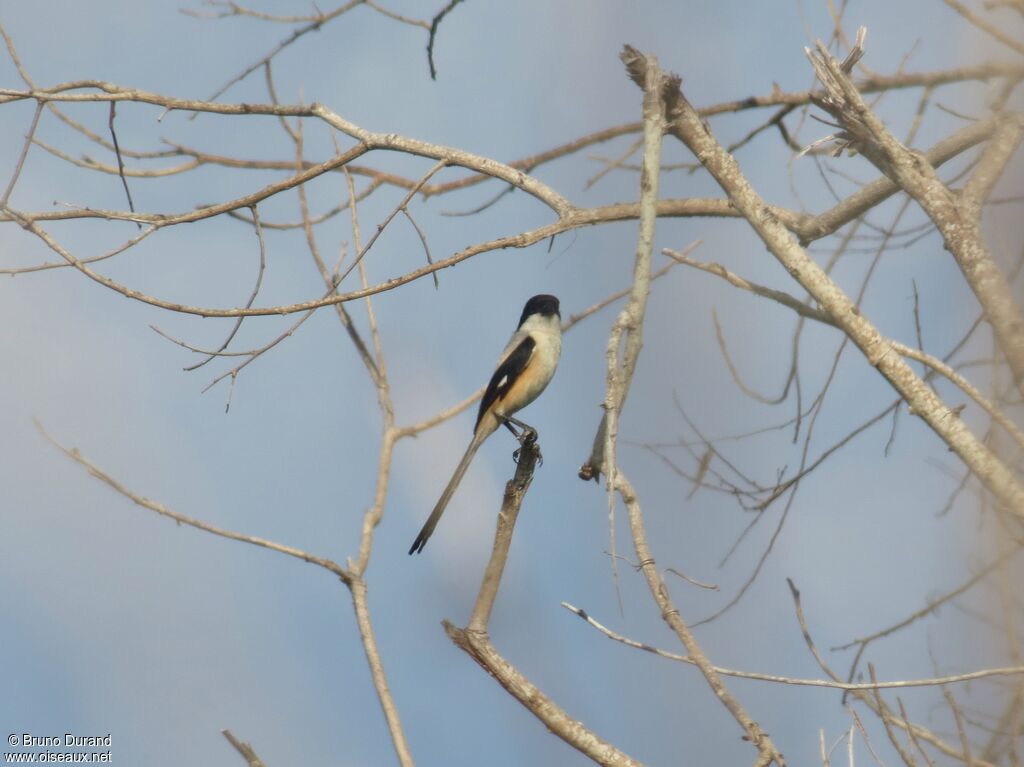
434,24
159,508
779,679
29,137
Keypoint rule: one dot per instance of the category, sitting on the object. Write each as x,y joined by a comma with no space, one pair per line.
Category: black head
544,305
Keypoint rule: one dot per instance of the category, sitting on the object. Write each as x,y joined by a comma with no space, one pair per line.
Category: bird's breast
536,377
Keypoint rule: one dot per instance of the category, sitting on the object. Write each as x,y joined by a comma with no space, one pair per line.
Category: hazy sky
117,621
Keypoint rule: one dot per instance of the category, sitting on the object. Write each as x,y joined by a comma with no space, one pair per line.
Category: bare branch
956,220
828,683
246,751
557,720
474,639
29,137
670,614
874,701
162,510
804,310
985,26
689,128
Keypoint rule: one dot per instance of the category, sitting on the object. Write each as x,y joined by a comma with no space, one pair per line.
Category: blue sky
117,621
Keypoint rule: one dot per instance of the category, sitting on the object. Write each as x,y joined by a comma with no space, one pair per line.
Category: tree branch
688,127
957,220
475,641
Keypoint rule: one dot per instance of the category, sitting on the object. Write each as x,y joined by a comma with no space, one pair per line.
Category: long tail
442,503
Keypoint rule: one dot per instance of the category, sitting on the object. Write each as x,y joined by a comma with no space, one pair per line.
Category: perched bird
524,370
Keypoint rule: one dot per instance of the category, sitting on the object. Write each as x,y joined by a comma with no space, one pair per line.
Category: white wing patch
502,382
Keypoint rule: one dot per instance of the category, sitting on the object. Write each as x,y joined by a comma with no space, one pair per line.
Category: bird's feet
527,440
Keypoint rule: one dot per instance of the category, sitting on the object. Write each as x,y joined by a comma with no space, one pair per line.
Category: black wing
508,373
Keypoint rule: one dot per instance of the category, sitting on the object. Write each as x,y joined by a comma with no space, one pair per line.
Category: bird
524,370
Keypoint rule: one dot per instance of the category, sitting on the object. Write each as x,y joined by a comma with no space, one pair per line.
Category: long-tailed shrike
524,370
